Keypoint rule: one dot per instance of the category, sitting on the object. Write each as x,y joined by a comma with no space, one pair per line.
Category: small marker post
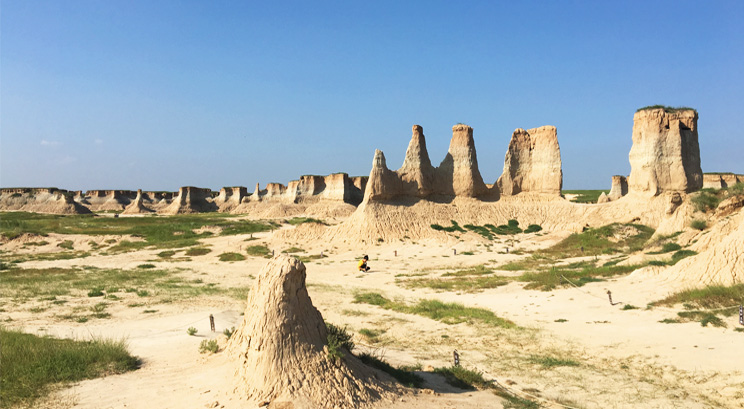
741,314
609,294
454,252
396,253
211,322
456,357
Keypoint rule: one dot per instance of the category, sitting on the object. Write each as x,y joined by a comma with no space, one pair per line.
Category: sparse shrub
338,339
705,200
99,310
699,224
403,375
67,245
228,332
192,331
96,292
231,257
142,293
208,345
166,254
533,228
667,247
146,266
629,307
198,251
462,378
258,251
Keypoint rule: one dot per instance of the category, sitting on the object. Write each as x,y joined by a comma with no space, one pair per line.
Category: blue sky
162,94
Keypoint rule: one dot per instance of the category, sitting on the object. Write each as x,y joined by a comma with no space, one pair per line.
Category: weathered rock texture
281,351
457,175
191,200
619,187
532,163
665,155
108,200
337,187
137,206
230,197
721,180
417,175
40,200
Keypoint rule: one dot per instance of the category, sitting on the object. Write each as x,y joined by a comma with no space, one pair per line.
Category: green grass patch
258,251
585,196
293,250
231,257
710,297
463,378
146,266
32,364
26,284
578,273
666,108
449,313
472,271
551,362
157,231
371,335
295,221
609,239
403,375
667,248
198,251
449,229
462,283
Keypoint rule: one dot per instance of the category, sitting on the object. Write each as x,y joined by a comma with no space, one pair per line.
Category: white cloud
45,142
66,160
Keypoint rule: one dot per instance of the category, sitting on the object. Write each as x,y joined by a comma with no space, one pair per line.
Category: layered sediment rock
619,187
40,200
191,200
532,163
108,200
457,175
417,175
383,184
282,354
665,155
230,197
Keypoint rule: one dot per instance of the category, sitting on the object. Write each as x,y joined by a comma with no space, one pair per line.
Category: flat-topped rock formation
665,156
338,187
281,349
721,180
191,200
532,163
107,200
230,197
619,187
458,173
40,200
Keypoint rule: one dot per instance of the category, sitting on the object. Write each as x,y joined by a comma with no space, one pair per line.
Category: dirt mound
720,258
413,218
281,349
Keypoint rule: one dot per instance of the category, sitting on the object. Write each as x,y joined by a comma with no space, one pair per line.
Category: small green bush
67,244
146,266
192,331
338,340
208,345
462,378
258,251
533,228
228,332
405,376
705,200
231,257
96,292
699,224
198,251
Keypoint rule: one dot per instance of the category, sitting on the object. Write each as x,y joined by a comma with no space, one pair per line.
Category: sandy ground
627,358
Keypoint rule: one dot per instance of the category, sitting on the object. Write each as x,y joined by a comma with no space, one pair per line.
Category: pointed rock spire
383,183
417,174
